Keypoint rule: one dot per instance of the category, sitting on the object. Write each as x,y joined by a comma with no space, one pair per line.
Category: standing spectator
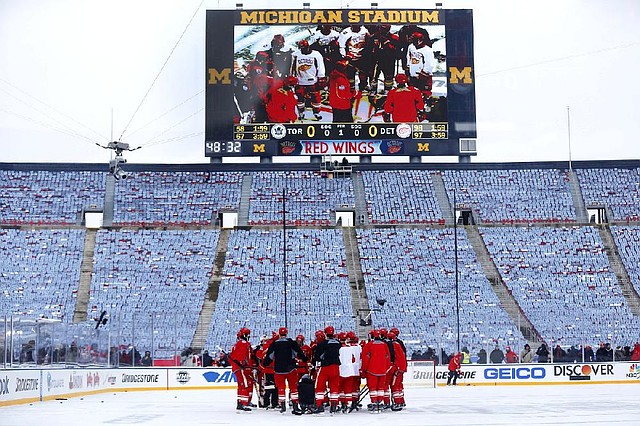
589,356
604,353
496,356
573,354
543,353
635,355
207,360
559,354
466,356
283,353
482,356
510,356
454,369
147,361
619,354
526,356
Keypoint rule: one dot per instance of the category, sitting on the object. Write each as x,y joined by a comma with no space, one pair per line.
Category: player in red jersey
404,103
327,358
283,353
241,364
282,102
398,370
376,362
303,365
340,94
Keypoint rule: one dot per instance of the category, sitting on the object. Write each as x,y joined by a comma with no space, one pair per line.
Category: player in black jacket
283,353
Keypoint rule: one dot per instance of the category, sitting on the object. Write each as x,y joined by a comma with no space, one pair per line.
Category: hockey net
421,374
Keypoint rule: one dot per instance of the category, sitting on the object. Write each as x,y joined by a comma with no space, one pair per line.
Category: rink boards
20,386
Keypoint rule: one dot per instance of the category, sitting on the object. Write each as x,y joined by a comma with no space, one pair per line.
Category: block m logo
463,74
224,76
258,147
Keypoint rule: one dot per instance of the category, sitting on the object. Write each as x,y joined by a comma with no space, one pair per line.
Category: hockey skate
242,408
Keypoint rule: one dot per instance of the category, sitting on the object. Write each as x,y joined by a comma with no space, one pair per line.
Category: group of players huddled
336,68
327,372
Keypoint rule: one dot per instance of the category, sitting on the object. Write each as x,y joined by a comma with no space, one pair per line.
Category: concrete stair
86,272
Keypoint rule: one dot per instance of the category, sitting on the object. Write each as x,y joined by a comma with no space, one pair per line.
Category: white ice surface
463,405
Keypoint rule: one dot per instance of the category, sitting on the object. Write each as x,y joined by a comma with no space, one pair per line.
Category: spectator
588,354
543,353
482,356
416,355
466,357
496,356
604,353
526,356
207,360
626,353
619,354
511,357
146,359
635,355
559,354
223,359
574,355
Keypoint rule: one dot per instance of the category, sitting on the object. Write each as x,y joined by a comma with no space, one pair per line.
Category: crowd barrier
22,386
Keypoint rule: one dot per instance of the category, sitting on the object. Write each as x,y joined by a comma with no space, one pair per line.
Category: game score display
252,55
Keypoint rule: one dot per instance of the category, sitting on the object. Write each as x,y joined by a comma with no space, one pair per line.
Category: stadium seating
40,271
513,196
310,199
152,285
413,270
252,288
48,197
562,280
616,188
401,196
159,198
627,239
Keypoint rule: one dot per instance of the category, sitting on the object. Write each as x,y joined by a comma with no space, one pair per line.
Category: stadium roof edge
253,167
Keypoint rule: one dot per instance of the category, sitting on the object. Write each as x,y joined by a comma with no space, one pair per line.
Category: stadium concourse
462,405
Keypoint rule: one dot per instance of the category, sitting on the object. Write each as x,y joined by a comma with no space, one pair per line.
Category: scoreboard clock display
346,82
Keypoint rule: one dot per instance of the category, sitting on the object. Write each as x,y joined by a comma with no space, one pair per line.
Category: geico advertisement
200,378
19,384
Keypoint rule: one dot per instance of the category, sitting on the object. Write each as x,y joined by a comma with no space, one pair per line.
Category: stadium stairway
211,296
359,300
86,272
109,196
628,291
507,301
442,197
578,199
245,197
362,213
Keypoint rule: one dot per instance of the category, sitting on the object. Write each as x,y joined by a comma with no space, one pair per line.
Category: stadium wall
23,386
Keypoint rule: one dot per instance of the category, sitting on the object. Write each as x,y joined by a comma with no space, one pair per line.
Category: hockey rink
461,405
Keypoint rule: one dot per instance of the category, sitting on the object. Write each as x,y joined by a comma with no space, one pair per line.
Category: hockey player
308,67
327,358
385,54
404,104
454,369
325,41
420,63
355,48
340,94
398,369
350,363
376,362
241,360
280,56
281,102
258,82
303,365
283,353
266,374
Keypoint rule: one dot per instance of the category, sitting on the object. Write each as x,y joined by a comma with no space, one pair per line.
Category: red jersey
400,358
281,105
241,355
454,363
339,91
376,359
403,103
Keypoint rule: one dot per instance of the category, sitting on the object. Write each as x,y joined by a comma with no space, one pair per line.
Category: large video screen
339,82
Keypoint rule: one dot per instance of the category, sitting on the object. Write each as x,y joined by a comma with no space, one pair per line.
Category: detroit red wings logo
287,147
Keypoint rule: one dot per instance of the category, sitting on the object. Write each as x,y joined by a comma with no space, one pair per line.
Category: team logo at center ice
278,131
403,130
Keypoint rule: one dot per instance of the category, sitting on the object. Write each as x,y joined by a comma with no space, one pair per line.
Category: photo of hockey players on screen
333,74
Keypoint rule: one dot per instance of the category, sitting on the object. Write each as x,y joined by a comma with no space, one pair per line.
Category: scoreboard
239,86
